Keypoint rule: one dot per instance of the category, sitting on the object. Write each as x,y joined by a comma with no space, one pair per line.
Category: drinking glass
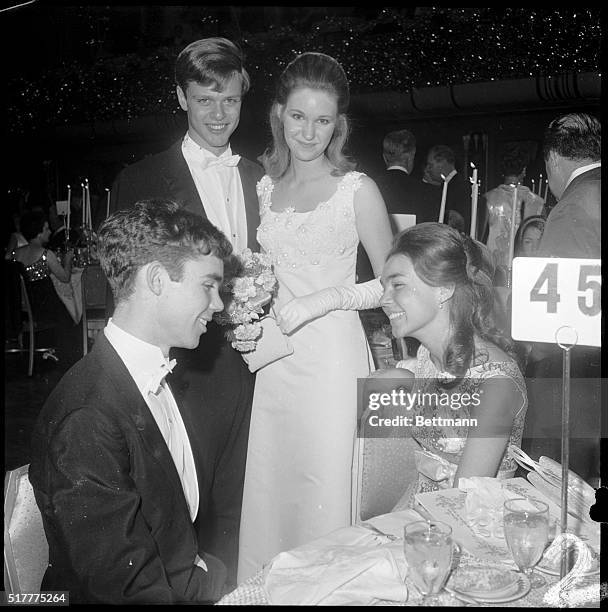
526,524
428,552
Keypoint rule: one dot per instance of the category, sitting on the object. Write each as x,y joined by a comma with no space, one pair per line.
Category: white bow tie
222,160
158,376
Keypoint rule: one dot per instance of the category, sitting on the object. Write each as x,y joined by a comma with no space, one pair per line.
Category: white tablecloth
252,591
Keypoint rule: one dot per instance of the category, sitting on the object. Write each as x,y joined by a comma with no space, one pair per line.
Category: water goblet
526,525
428,551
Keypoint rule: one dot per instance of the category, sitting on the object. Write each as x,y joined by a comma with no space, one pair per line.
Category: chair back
12,300
382,471
26,552
93,287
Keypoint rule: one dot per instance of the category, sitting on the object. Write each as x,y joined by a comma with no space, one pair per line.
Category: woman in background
527,238
39,264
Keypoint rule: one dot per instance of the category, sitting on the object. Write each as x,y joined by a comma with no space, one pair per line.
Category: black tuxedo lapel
132,404
252,207
179,181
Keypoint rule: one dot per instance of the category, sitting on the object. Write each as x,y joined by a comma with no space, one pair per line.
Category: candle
474,194
67,219
84,206
512,232
546,190
533,184
540,185
89,220
108,204
443,196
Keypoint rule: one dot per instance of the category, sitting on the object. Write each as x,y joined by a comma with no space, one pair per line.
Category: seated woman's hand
389,380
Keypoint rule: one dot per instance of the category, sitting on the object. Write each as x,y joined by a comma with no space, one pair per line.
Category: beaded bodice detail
316,237
450,441
37,270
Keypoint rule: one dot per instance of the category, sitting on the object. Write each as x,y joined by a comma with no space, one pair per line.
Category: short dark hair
32,223
575,136
443,152
154,230
211,62
398,144
514,160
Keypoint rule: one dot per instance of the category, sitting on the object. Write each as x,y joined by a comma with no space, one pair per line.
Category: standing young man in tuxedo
112,465
200,172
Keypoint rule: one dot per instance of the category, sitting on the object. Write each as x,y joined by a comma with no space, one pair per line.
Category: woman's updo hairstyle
443,256
320,72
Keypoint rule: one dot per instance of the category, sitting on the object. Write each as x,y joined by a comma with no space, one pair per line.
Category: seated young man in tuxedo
112,464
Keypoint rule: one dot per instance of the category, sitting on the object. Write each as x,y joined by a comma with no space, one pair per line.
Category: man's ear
181,97
155,277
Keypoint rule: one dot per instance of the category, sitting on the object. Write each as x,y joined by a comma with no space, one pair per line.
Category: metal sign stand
566,338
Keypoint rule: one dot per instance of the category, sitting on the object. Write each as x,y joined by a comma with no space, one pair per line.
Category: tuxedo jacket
166,175
212,381
402,193
573,227
113,508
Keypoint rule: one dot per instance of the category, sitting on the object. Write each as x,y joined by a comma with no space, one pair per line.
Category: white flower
244,288
248,331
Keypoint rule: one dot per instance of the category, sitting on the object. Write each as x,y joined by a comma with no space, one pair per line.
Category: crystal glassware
526,524
428,551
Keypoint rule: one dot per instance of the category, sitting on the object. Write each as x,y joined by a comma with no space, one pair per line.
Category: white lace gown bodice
310,250
303,422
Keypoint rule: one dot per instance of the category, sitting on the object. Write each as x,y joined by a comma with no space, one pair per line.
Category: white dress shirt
397,167
220,190
582,170
143,360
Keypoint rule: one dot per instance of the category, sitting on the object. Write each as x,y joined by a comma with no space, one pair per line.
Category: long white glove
302,309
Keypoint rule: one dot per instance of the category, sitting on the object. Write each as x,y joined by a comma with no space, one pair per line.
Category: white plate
521,589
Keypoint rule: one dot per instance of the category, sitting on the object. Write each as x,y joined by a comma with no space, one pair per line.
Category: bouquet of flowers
250,287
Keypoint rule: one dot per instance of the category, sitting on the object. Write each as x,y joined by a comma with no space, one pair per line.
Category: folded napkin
338,573
484,504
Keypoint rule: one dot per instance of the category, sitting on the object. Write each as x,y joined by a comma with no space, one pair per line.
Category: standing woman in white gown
314,211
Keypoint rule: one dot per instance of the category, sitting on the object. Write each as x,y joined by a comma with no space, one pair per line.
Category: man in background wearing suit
402,192
112,464
200,172
573,153
441,161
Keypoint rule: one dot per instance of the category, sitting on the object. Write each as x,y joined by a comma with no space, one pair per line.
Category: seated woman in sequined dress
438,289
39,264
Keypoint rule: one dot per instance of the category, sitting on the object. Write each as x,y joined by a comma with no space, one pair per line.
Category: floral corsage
250,287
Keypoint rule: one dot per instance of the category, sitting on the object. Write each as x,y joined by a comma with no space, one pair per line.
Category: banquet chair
383,468
19,317
93,303
26,552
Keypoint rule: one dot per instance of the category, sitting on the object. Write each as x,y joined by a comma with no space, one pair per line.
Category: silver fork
375,529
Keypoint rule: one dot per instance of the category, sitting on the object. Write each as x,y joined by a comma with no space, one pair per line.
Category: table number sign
550,293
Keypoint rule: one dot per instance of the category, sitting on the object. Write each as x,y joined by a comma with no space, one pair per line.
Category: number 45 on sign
549,293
